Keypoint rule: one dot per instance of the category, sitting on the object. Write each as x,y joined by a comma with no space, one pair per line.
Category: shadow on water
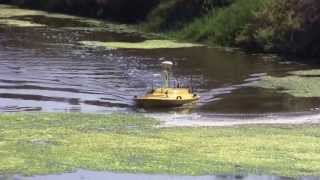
46,69
89,175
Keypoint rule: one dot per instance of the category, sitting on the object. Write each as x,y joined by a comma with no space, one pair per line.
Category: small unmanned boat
167,96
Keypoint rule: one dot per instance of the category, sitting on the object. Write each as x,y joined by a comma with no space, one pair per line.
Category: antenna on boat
191,83
167,67
152,85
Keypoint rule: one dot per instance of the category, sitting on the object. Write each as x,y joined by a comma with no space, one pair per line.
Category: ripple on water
46,69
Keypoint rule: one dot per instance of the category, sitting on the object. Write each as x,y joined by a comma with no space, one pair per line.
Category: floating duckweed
102,27
55,143
298,84
19,23
313,72
148,44
7,11
10,15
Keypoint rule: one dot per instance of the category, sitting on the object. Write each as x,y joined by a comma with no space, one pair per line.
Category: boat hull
146,103
166,97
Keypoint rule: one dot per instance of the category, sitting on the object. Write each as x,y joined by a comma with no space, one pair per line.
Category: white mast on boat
167,67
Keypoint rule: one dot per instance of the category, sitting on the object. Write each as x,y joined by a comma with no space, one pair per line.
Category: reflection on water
89,175
46,69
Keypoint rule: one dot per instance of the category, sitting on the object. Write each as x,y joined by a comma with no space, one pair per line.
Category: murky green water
45,68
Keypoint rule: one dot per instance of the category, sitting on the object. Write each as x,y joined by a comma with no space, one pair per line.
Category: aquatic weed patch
8,11
48,143
297,83
19,23
148,44
55,143
13,16
312,72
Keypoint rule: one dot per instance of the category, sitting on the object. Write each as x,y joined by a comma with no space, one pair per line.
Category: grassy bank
54,143
222,25
288,27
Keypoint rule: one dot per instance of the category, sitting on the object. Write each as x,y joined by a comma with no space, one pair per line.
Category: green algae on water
11,11
312,72
7,11
298,83
148,44
11,15
19,23
46,143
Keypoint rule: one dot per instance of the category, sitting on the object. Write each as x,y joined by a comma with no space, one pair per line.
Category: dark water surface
46,69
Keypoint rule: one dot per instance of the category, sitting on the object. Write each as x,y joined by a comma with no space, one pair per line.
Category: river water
46,69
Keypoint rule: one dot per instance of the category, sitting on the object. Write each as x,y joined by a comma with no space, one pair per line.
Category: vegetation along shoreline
286,27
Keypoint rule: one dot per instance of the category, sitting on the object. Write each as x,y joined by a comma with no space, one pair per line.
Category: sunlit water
46,69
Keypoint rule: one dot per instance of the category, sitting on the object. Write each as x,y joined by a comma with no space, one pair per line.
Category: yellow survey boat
167,96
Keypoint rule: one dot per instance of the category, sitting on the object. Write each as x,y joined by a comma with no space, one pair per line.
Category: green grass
223,25
54,143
